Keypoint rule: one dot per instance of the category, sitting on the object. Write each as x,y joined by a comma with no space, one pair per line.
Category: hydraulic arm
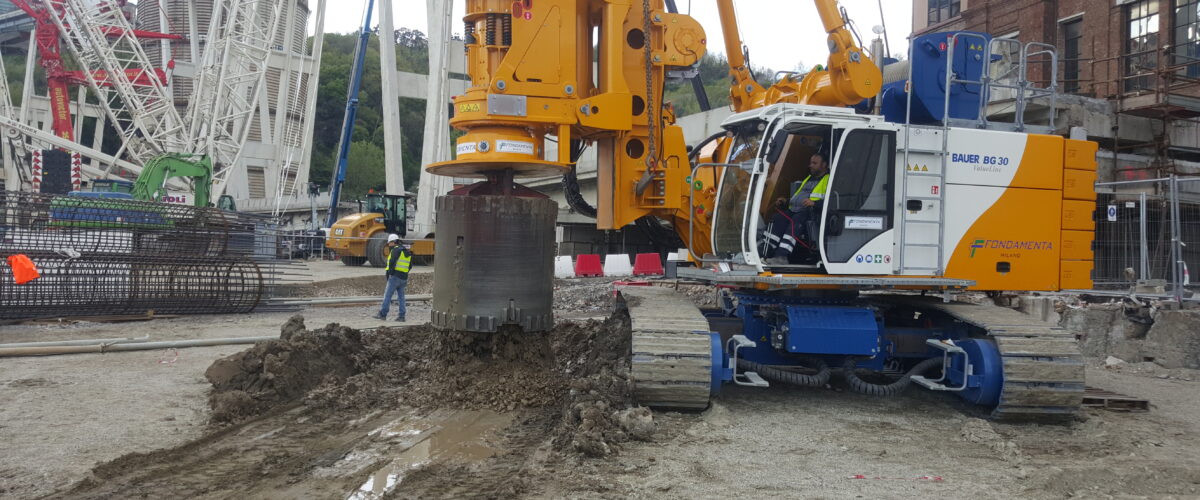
151,184
848,77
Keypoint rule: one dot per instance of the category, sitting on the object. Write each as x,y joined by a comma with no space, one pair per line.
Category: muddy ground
410,413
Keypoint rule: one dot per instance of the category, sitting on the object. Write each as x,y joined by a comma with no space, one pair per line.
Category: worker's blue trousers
395,285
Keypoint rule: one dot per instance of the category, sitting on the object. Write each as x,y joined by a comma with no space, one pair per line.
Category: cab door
857,223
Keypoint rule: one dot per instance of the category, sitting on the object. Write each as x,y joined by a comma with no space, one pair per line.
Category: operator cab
848,228
394,209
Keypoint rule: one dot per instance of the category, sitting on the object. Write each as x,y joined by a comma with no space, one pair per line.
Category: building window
1140,45
1072,36
1186,52
943,10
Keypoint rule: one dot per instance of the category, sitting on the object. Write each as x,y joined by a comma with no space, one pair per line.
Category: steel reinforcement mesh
99,257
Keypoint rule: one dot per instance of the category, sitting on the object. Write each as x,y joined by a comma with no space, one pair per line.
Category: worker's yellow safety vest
403,262
818,193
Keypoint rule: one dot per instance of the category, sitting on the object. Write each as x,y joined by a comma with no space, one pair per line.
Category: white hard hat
393,237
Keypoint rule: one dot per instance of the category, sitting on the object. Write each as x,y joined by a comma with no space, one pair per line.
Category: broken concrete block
1105,330
1174,340
1042,308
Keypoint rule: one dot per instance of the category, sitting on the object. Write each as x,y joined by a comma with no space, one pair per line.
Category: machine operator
788,228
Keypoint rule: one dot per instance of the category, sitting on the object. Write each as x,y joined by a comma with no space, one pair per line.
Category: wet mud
409,412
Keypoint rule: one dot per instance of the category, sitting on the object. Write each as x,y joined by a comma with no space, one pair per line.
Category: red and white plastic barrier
588,265
614,265
647,264
617,264
563,267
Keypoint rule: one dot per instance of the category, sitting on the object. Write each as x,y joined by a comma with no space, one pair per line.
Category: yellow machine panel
1078,215
1077,245
1013,245
1076,275
1038,170
1079,184
1080,155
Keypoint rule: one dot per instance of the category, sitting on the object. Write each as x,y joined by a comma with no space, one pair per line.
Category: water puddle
443,436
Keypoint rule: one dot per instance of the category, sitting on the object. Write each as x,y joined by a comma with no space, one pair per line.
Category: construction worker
789,225
399,261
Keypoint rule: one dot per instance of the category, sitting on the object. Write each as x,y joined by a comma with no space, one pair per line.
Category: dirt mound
577,370
251,381
427,368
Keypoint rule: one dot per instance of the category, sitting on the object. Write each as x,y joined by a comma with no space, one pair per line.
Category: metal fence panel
1144,232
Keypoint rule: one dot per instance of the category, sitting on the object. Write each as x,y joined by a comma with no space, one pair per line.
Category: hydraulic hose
570,183
818,379
861,386
700,145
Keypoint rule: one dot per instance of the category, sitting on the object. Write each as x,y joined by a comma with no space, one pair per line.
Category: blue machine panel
929,79
832,330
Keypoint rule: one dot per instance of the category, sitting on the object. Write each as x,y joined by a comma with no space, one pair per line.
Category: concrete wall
1168,338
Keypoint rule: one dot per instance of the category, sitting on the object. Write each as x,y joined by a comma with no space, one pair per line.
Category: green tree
368,165
337,62
714,73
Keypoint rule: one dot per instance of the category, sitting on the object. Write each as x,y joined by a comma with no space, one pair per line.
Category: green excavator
151,184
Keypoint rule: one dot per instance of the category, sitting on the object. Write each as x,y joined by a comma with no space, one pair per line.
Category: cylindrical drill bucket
494,263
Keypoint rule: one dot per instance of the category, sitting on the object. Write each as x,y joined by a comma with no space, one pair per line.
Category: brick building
1110,48
1141,57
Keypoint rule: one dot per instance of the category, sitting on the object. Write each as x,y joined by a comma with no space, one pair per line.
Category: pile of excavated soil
257,379
578,371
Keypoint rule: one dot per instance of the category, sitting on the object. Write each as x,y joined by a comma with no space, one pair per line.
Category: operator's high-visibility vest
402,263
818,192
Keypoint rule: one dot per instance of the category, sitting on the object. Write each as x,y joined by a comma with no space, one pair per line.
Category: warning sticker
519,147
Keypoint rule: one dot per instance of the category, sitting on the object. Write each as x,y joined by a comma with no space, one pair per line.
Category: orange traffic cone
23,269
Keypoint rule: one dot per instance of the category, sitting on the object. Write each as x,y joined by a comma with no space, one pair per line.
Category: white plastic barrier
564,267
617,264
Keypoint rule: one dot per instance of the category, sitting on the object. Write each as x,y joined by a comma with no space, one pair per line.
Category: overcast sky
780,33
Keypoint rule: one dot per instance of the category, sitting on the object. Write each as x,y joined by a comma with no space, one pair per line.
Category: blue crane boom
339,173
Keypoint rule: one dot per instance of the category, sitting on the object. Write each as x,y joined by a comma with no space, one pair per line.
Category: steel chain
651,110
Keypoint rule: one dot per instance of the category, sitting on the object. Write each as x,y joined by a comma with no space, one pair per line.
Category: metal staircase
936,195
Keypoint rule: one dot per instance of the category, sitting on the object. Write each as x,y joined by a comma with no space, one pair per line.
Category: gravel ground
61,416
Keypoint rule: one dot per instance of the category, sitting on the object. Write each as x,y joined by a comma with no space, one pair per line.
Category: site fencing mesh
1147,232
